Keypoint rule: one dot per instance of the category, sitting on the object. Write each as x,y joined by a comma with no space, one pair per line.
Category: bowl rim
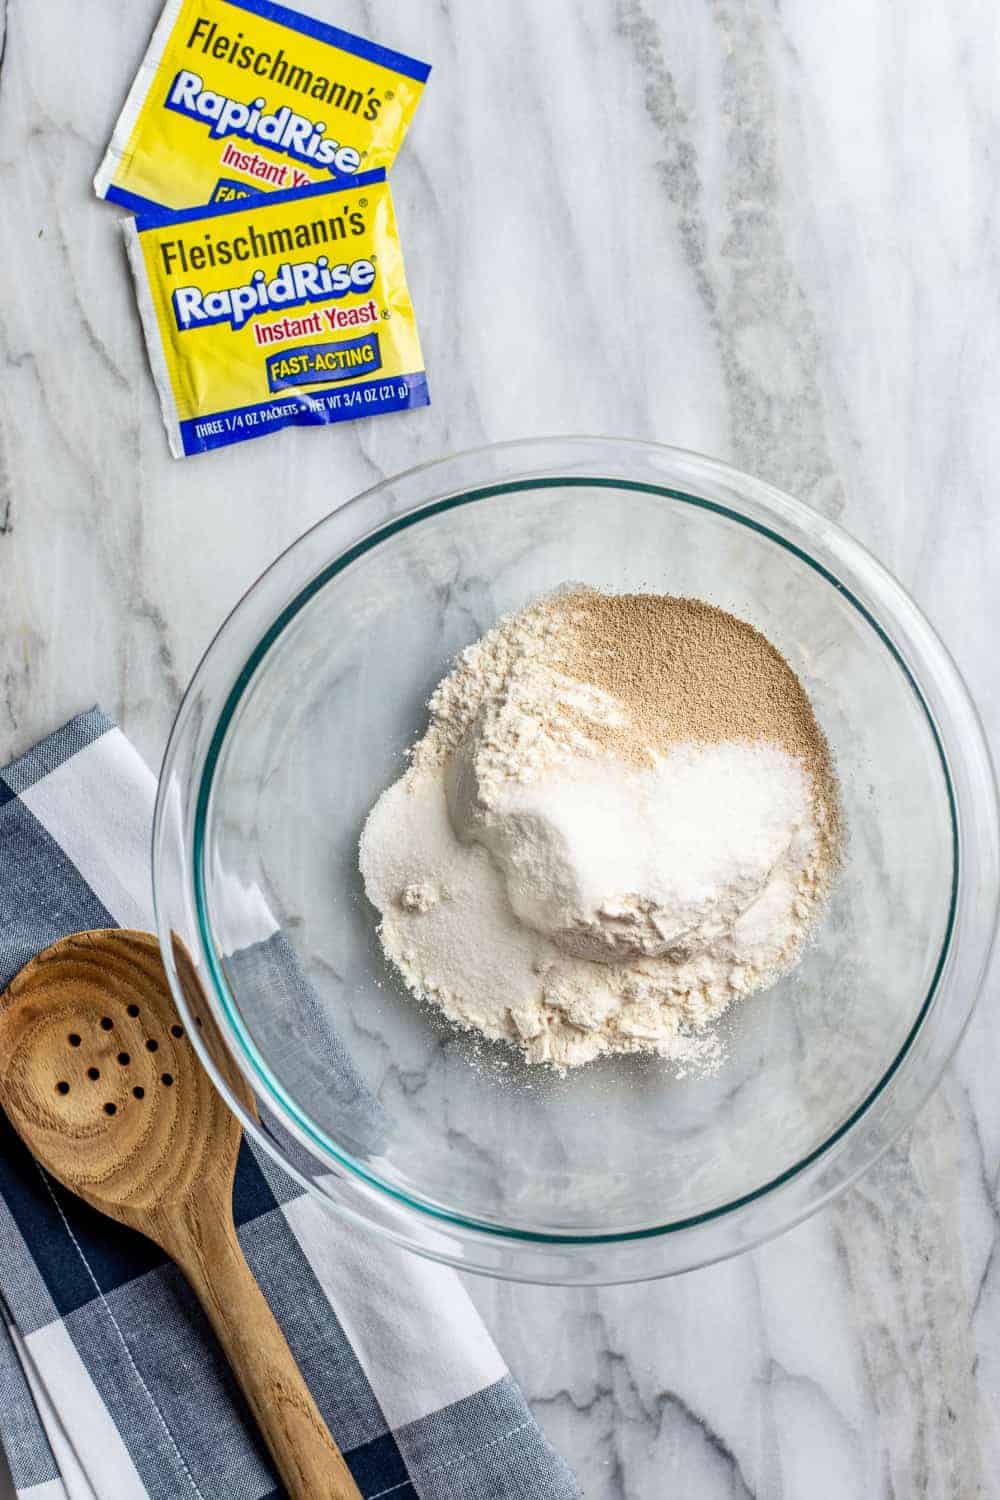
783,514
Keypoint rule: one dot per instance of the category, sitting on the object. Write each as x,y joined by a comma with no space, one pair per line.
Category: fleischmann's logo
290,285
206,38
211,250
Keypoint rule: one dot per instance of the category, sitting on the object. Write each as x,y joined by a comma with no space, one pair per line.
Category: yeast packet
239,97
278,310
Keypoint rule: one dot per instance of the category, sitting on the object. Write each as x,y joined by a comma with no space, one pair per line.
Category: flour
558,870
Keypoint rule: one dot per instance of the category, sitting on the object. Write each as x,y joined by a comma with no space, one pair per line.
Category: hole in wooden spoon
111,1109
106,1023
177,1031
152,1044
62,1088
133,1010
124,1059
94,1073
167,1079
73,1039
139,1093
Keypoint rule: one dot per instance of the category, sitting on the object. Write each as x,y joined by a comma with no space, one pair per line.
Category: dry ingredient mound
622,816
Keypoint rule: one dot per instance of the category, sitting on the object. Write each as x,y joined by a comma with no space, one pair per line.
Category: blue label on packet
369,398
227,190
320,364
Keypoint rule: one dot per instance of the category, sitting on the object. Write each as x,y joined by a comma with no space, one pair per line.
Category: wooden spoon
104,1088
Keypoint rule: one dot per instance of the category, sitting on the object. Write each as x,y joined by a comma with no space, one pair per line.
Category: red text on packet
322,321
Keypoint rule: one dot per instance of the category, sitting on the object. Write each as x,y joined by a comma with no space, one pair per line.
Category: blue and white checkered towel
111,1385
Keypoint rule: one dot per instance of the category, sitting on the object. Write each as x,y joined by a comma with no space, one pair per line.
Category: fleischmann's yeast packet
290,308
239,97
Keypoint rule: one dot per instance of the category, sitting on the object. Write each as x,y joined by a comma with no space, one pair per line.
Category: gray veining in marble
765,229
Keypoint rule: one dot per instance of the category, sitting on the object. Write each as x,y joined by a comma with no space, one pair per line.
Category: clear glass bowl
299,716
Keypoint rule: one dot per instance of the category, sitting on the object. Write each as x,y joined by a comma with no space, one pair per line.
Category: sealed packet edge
136,98
151,334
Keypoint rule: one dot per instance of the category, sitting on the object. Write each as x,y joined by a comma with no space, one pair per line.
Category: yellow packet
239,97
290,308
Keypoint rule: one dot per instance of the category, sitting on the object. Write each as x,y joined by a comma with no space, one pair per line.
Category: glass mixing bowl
299,716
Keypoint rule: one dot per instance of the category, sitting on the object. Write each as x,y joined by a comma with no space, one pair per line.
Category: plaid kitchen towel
111,1385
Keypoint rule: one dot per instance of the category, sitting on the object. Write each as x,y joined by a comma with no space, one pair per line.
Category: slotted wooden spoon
106,1091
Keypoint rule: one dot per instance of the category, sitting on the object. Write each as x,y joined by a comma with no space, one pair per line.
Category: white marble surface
764,230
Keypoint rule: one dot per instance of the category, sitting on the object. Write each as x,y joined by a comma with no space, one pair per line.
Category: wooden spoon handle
305,1455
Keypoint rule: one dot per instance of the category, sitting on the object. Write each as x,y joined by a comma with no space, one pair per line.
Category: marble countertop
763,230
